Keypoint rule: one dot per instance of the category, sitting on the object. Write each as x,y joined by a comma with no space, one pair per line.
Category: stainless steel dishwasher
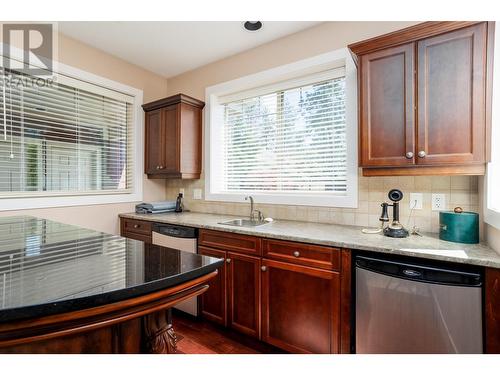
416,307
179,238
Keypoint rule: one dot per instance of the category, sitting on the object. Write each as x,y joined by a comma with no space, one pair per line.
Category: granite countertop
426,246
48,268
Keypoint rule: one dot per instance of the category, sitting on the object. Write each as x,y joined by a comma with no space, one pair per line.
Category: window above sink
265,132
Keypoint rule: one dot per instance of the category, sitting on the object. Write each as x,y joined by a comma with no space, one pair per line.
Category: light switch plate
438,202
196,193
416,201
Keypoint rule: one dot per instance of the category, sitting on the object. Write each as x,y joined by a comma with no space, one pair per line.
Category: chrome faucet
250,198
260,216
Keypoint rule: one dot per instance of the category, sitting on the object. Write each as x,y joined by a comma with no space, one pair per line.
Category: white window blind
66,138
287,141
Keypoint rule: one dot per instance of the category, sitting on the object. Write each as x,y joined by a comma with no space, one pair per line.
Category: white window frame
26,203
492,216
296,70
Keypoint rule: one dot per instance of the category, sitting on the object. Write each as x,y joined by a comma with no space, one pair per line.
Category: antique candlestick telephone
395,229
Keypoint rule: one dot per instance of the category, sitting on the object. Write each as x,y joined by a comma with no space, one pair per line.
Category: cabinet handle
263,268
296,254
421,154
409,155
136,226
228,260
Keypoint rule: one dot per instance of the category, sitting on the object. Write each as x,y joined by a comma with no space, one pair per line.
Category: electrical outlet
416,201
181,191
438,202
196,193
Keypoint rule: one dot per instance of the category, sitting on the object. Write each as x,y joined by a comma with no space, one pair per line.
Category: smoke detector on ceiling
252,25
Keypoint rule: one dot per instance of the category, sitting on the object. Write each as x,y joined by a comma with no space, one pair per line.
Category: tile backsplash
459,191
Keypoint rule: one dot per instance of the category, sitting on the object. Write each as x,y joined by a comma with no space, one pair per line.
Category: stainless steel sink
243,223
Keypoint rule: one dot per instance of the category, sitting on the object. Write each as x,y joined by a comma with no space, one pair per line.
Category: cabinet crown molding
406,35
171,100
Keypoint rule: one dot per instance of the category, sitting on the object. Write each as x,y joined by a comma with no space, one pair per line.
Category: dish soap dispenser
178,203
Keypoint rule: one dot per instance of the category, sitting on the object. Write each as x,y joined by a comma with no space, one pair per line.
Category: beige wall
82,56
325,37
493,237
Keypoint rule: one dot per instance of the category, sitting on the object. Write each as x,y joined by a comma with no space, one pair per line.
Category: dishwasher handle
420,273
175,230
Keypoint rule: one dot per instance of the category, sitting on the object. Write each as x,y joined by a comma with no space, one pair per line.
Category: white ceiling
171,48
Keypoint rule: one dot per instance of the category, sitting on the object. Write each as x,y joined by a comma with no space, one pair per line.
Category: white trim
314,65
7,204
289,84
492,216
63,201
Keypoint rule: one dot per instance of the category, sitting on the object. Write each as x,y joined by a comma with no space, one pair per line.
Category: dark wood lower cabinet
292,301
136,229
243,291
300,308
213,302
492,310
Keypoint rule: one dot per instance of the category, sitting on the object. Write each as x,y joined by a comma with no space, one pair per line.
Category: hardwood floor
201,337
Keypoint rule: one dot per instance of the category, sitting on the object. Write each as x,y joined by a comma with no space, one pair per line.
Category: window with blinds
287,141
68,137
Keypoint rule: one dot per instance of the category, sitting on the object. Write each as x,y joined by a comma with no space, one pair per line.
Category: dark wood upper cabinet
154,150
423,99
451,97
387,100
173,137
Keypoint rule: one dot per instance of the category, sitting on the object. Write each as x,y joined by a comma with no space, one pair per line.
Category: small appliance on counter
459,226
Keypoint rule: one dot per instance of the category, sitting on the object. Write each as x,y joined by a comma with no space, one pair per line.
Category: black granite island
65,289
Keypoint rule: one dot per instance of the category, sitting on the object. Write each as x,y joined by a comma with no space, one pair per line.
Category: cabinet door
300,308
171,119
213,301
154,144
243,287
387,107
451,97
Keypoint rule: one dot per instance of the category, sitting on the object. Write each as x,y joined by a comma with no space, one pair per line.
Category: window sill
10,204
349,201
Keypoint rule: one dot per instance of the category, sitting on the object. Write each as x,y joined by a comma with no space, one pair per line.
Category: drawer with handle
136,226
304,254
230,241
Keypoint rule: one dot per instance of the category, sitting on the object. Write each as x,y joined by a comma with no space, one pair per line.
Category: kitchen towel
155,207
